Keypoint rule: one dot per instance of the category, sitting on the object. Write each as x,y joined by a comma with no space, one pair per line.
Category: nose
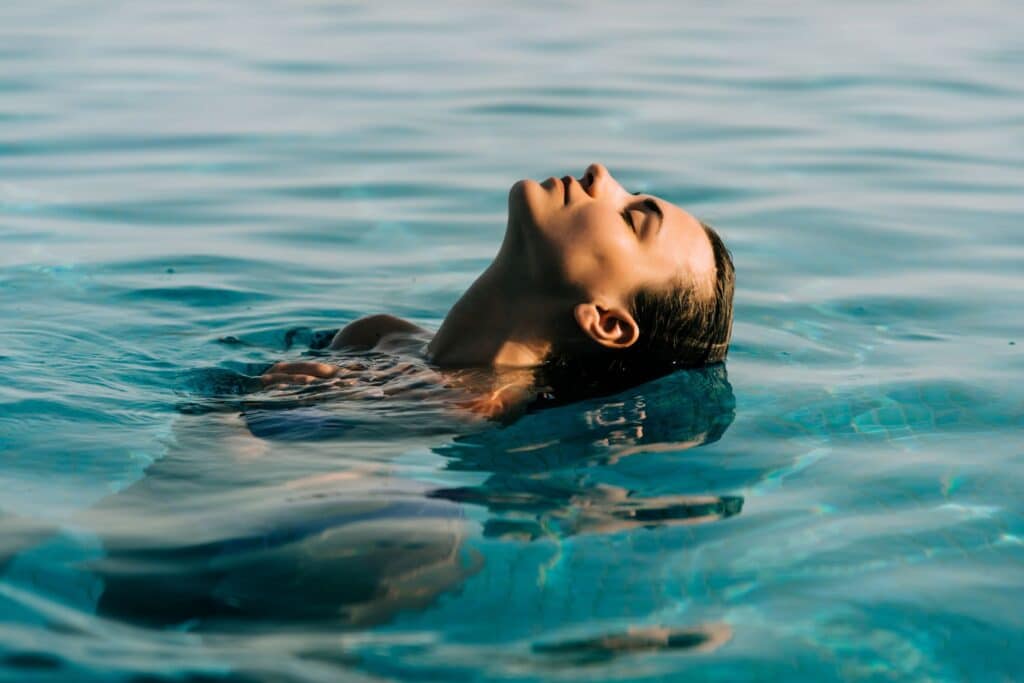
597,180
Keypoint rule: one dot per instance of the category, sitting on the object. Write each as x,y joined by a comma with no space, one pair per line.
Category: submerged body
486,392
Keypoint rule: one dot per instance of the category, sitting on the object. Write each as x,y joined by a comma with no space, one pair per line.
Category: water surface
191,190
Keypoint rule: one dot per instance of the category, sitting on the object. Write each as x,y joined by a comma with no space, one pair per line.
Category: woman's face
594,237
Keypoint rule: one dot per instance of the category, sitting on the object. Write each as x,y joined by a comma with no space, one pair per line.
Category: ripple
197,296
535,109
107,144
373,191
303,67
648,639
36,661
191,193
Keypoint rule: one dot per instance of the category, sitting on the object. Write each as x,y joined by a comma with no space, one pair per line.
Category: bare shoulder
366,333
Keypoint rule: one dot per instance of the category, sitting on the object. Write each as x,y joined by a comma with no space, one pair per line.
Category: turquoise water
190,190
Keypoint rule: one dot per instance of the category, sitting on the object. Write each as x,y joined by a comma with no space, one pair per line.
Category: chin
517,194
525,202
529,247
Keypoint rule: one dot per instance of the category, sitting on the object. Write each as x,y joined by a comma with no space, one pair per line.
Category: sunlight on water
190,191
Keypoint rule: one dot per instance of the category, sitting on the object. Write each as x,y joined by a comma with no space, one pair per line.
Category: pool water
191,190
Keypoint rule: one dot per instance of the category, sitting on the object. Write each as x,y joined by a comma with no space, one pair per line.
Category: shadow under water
230,533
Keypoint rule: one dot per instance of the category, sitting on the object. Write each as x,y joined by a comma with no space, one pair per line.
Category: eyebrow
653,206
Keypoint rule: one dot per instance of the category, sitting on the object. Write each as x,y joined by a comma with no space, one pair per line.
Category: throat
493,325
467,345
517,354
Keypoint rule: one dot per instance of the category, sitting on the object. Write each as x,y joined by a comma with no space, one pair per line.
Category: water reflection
600,649
232,532
220,538
675,413
546,473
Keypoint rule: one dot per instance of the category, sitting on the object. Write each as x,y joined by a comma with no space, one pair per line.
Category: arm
502,398
366,333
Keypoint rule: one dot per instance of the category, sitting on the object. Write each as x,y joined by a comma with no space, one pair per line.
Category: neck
499,321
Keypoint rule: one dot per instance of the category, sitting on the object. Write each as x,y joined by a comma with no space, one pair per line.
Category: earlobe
611,327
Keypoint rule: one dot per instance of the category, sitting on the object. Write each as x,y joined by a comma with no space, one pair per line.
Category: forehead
683,244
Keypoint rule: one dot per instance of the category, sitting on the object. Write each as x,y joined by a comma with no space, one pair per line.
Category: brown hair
680,327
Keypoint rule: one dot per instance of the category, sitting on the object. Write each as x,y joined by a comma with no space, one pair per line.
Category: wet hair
681,326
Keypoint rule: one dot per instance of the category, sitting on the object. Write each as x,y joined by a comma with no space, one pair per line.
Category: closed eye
628,219
652,205
634,218
649,206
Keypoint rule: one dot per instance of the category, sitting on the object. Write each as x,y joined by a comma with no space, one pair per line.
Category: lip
567,188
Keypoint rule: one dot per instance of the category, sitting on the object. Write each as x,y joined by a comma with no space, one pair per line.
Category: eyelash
628,220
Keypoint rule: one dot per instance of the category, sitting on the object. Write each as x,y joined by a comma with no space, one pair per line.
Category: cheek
592,223
600,252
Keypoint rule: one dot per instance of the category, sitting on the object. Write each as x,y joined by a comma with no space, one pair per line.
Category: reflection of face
556,473
601,241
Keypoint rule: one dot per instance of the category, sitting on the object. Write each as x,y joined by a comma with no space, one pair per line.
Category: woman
593,289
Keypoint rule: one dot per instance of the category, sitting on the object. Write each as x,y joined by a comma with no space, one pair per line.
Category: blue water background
192,188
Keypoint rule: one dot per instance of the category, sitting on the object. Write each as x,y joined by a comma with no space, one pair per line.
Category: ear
610,326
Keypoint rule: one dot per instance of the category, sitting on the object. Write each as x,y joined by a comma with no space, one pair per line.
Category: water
188,190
